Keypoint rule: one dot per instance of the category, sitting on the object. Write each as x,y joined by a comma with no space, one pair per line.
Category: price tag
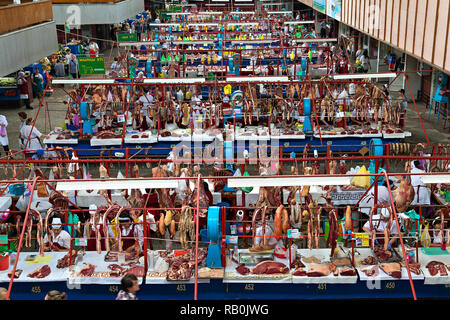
120,118
233,229
293,234
362,239
82,242
3,239
232,239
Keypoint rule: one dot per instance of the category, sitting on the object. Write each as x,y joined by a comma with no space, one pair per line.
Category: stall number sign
362,239
82,242
127,37
232,239
293,234
91,65
3,239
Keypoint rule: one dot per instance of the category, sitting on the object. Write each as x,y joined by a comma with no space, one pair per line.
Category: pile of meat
40,272
369,261
347,271
106,134
119,271
87,270
370,271
16,274
112,256
270,267
181,267
435,266
321,269
64,261
242,270
382,255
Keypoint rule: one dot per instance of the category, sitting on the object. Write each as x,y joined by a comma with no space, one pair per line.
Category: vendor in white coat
61,238
422,193
271,242
380,222
34,143
3,133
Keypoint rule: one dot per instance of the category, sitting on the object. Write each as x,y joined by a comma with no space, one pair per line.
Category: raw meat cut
382,254
347,271
320,269
415,268
270,267
242,269
40,272
138,271
64,261
297,263
370,271
112,256
435,266
299,272
16,274
180,267
116,270
369,261
393,269
341,261
87,270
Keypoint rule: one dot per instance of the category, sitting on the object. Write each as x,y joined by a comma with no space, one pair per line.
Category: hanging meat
219,184
259,214
404,194
334,231
281,222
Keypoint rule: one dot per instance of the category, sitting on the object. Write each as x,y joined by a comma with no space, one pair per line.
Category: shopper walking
3,133
73,67
130,286
38,84
22,84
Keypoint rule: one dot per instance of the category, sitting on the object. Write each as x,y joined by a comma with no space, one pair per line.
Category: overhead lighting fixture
441,178
363,76
82,81
276,181
112,184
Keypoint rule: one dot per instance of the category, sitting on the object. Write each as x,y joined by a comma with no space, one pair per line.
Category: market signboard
91,65
320,5
127,37
334,8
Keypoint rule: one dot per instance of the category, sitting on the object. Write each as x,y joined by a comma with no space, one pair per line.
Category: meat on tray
116,270
87,270
414,268
393,269
242,270
112,256
320,269
382,255
347,271
369,261
370,271
138,271
180,267
297,263
40,272
16,274
64,261
341,261
435,266
270,267
299,272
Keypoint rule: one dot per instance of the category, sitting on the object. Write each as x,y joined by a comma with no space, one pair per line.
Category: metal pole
196,237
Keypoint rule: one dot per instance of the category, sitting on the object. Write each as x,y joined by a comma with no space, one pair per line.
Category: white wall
97,13
26,46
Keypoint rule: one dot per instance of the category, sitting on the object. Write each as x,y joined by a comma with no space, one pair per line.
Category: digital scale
247,257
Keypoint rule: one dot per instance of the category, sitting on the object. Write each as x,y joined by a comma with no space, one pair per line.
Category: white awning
82,81
112,184
277,181
258,79
441,178
175,80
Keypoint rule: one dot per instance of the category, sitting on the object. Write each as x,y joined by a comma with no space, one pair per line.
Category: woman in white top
34,143
272,242
60,238
3,133
422,193
437,233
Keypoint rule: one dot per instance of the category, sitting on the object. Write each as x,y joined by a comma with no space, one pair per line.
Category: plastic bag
425,238
161,265
361,181
246,189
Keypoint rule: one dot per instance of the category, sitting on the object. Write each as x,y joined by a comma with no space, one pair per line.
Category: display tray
363,253
52,140
424,259
105,142
56,274
324,256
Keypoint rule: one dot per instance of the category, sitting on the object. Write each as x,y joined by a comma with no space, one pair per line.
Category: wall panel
441,33
418,45
430,31
411,26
